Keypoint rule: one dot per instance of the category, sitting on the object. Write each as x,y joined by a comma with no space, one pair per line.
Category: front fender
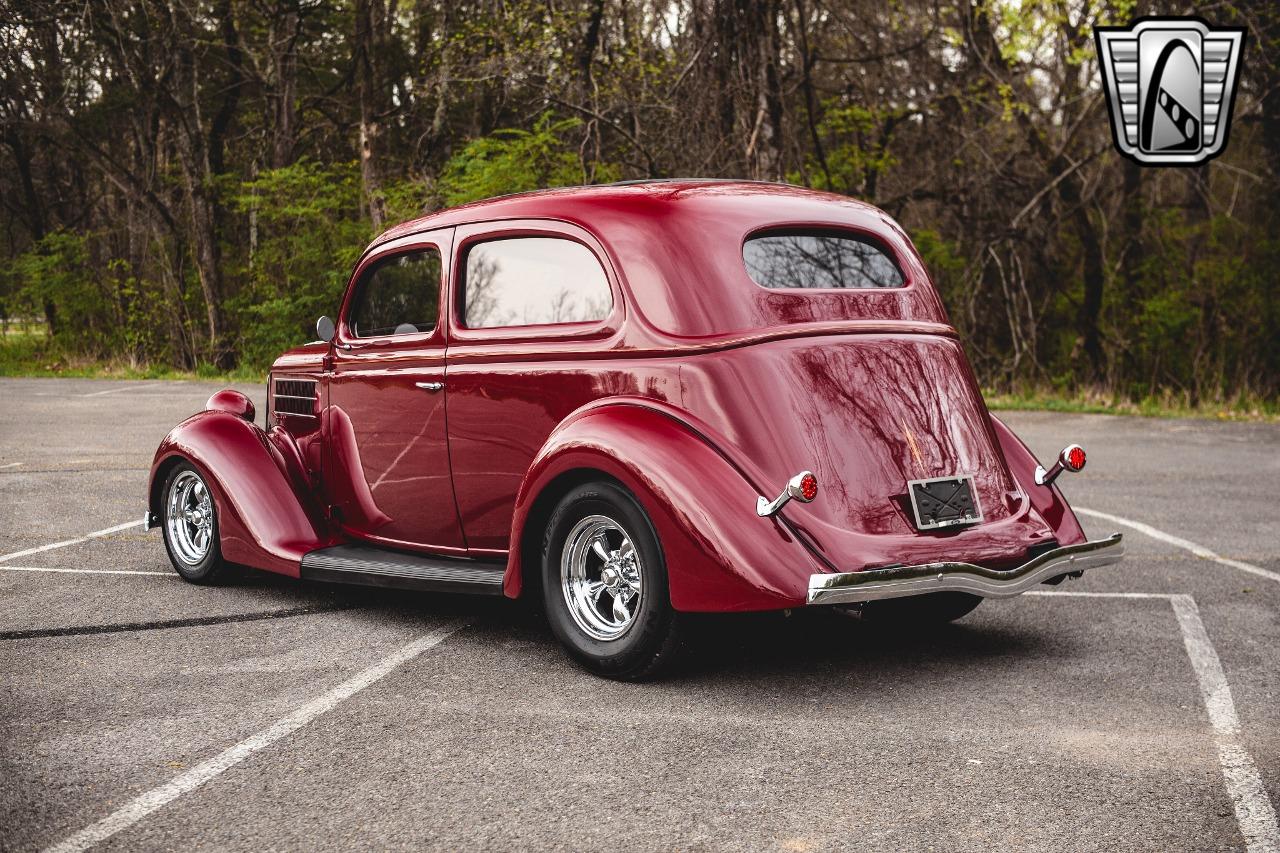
720,555
266,517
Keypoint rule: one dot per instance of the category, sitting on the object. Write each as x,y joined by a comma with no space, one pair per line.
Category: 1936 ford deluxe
635,401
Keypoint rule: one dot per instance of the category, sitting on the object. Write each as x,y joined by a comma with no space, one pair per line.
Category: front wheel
190,524
604,584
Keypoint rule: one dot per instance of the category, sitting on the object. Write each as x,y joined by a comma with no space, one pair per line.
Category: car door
387,454
535,311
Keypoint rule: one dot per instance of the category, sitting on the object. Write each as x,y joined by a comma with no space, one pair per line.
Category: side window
398,296
533,281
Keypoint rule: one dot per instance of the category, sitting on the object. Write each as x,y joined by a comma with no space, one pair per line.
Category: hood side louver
295,397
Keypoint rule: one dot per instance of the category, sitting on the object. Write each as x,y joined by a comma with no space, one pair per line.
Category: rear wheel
936,608
604,584
190,524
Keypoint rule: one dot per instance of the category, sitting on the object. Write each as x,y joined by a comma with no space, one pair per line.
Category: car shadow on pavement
719,645
822,639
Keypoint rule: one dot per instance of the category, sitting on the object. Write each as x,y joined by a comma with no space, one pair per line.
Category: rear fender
720,555
1046,500
267,517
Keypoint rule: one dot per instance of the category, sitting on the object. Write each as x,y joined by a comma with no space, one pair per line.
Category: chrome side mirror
325,329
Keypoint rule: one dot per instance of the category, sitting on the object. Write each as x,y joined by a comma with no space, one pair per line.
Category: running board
361,564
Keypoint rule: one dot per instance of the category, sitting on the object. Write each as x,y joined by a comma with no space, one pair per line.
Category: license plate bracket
944,502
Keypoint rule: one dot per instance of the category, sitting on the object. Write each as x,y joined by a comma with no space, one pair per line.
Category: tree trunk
1094,281
1133,255
231,90
197,175
284,113
810,96
770,83
590,41
370,16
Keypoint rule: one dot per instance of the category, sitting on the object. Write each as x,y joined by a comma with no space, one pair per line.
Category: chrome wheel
600,576
189,518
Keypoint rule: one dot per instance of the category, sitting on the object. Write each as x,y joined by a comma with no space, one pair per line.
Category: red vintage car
636,402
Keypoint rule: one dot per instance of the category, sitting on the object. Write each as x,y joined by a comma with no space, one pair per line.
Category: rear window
819,260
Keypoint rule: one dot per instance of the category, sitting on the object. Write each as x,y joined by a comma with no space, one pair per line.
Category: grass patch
1239,408
29,352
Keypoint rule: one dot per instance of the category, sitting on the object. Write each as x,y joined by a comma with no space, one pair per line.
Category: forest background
185,184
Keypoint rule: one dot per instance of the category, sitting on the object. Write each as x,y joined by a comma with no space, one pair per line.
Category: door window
533,281
398,296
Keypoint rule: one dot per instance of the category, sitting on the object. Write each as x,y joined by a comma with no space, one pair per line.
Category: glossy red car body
700,392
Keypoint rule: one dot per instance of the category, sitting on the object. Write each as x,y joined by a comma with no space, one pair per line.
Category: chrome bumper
875,584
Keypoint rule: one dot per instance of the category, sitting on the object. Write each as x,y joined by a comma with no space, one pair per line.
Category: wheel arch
720,555
534,527
155,491
263,519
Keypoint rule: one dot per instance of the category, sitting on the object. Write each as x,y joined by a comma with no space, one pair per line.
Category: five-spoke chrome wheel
189,518
601,577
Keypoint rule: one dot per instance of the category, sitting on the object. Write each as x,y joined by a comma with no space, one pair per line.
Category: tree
218,161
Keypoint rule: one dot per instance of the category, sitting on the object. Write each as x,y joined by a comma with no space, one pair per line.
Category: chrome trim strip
280,396
877,584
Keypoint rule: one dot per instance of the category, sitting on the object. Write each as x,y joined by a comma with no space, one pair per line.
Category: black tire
936,608
651,641
207,568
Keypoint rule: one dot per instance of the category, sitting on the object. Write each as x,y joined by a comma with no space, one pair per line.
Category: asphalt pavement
138,712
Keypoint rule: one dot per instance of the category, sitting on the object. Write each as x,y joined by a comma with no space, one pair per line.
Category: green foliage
857,145
310,228
27,350
942,259
977,126
1238,407
407,200
511,161
56,276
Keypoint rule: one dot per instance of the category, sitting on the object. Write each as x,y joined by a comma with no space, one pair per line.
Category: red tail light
1070,459
1073,458
802,487
809,486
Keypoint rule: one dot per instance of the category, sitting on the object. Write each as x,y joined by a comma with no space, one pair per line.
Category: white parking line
1185,544
116,390
84,571
1254,811
85,538
9,465
144,804
1255,814
1074,594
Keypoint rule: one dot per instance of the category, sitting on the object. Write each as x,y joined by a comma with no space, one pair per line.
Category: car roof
555,202
677,248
